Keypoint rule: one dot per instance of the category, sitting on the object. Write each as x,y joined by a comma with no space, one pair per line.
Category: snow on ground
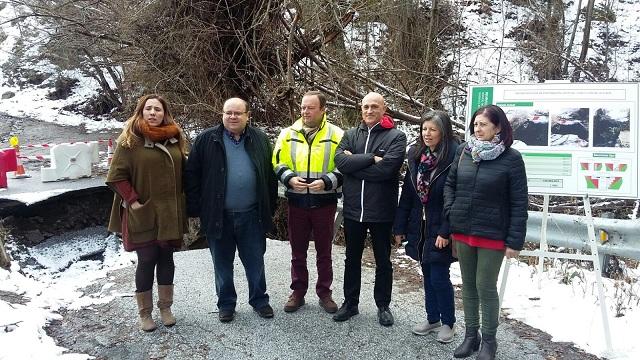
490,58
31,101
569,312
49,289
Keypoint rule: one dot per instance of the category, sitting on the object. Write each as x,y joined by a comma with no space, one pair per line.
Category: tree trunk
565,69
585,41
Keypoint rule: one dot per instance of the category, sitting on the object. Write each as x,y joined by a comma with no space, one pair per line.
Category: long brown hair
131,136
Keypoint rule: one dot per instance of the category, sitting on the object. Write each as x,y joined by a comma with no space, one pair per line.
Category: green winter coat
155,172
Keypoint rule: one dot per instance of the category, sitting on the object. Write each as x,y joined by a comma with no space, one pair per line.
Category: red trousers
302,223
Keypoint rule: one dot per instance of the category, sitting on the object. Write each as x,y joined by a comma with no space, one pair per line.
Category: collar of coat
297,126
218,131
150,144
374,128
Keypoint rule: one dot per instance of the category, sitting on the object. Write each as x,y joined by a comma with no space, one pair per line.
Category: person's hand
377,158
347,152
441,242
136,205
297,183
509,253
397,240
316,185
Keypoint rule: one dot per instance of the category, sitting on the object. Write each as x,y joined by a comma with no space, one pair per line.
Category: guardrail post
597,270
605,258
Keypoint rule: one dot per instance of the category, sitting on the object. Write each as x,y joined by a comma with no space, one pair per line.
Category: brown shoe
328,305
293,304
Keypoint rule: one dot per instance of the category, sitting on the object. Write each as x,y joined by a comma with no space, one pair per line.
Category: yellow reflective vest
294,156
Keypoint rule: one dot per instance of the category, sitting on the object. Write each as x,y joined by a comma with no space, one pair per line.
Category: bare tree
585,40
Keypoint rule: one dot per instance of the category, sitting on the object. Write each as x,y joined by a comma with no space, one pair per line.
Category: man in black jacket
370,156
231,186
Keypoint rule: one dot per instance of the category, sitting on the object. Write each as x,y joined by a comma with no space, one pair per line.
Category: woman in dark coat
149,205
428,241
485,201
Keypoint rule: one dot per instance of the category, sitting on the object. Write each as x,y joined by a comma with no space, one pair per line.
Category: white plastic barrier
70,161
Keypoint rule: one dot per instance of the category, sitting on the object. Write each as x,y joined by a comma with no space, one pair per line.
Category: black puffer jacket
205,178
421,236
488,199
374,185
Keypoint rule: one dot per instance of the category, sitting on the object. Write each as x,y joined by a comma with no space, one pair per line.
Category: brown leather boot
145,306
294,303
165,300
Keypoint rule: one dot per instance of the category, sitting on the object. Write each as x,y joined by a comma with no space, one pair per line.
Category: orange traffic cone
20,173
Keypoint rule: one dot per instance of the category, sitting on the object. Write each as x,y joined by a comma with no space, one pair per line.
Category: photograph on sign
570,127
612,127
530,126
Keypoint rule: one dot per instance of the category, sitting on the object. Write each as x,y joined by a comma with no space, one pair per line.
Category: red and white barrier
35,157
68,160
50,145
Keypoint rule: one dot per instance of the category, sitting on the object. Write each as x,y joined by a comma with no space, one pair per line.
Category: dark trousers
154,258
302,223
355,234
438,293
243,231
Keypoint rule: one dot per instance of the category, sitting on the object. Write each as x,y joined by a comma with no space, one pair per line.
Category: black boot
470,343
488,349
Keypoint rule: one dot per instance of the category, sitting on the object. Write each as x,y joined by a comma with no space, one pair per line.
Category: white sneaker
446,334
425,328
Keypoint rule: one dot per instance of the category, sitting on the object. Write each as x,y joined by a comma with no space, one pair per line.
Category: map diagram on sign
602,175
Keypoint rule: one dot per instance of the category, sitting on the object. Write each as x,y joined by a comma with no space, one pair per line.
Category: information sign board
575,139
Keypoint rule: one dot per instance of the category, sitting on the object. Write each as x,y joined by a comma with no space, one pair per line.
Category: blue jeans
240,230
438,293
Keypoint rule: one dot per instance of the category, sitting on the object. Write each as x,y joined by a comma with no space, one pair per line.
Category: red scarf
158,133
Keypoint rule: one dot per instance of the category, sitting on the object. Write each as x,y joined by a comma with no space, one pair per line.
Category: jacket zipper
473,188
366,144
309,158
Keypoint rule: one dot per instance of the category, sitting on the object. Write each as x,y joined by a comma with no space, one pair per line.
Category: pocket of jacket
412,251
142,219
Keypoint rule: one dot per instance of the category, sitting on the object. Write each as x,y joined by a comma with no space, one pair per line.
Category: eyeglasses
234,113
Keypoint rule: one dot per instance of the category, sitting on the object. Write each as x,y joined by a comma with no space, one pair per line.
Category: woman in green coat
149,206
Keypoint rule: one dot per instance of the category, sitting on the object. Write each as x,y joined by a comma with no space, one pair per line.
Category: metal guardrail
570,231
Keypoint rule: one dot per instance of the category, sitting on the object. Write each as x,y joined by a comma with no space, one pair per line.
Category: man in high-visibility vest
303,162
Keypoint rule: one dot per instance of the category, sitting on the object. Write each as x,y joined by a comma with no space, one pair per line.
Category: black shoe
470,343
345,312
265,311
488,348
385,318
226,315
